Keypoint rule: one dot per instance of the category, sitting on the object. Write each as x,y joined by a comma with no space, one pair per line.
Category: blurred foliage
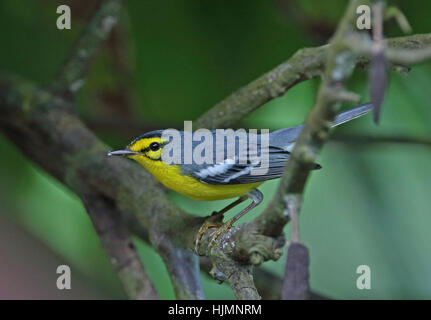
368,205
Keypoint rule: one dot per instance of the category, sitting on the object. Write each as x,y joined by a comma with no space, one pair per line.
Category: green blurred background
169,61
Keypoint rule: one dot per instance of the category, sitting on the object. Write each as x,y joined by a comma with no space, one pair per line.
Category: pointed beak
122,153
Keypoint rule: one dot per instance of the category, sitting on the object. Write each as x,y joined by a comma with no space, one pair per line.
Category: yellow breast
171,177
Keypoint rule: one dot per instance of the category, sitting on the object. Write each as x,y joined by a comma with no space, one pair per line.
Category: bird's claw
217,233
208,224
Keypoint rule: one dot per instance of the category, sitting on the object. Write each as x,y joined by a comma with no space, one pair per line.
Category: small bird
225,179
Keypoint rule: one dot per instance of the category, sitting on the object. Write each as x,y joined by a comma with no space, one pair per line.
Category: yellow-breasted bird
224,179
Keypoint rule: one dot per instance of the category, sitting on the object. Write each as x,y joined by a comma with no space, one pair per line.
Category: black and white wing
230,171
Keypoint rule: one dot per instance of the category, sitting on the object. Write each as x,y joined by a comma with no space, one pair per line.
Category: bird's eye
154,146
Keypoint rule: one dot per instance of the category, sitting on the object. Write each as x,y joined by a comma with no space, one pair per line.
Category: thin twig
415,50
409,57
72,74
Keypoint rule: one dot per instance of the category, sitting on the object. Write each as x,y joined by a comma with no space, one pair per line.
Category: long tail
285,138
351,114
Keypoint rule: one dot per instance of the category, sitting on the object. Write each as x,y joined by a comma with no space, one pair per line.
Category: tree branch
119,247
54,138
409,50
339,67
267,283
305,64
183,269
408,57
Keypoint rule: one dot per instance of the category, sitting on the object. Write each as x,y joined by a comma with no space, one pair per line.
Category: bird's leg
230,206
215,220
256,196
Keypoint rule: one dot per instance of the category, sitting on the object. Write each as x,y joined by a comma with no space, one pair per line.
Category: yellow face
149,148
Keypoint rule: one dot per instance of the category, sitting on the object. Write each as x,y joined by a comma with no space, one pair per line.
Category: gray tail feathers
351,114
285,138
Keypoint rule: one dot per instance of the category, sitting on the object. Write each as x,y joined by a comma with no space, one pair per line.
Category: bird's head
147,147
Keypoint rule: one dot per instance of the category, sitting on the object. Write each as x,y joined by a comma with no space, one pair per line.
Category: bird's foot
217,233
212,222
